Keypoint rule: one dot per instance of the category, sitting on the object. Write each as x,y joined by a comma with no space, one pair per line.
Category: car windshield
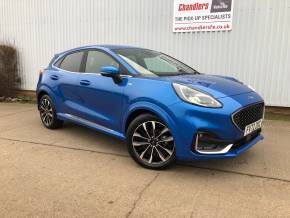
152,63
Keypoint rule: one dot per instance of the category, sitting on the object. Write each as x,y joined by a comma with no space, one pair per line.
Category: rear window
72,62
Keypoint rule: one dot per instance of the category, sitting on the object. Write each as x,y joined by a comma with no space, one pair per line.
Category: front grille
248,115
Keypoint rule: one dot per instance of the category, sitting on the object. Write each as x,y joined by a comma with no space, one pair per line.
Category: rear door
66,73
101,97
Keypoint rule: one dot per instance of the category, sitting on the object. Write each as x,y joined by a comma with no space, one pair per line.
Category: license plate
253,126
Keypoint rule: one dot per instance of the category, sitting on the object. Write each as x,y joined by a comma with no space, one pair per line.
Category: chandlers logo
193,7
216,6
221,6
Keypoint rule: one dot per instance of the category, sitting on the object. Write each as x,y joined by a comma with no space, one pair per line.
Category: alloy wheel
153,142
46,112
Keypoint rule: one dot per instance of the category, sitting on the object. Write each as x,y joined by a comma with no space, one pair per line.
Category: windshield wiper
182,72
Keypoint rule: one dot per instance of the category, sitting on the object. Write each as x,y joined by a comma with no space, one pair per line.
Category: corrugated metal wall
256,51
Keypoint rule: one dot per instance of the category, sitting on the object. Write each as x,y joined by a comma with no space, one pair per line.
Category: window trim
64,56
121,66
84,60
59,59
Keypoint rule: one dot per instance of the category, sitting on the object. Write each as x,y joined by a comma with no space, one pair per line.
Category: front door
101,97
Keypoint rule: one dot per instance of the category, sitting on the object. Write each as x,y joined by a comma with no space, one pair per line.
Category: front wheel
150,142
48,113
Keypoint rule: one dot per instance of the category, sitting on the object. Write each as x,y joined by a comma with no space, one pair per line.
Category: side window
72,62
97,59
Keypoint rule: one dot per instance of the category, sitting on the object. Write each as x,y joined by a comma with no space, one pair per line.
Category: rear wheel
48,113
150,142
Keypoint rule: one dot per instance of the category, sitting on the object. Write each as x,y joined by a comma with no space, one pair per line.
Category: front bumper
191,120
233,152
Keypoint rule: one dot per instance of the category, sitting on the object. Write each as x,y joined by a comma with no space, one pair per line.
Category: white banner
202,15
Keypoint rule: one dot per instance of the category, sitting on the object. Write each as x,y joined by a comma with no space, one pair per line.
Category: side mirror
111,71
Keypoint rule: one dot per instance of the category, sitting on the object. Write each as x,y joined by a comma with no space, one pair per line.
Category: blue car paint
106,106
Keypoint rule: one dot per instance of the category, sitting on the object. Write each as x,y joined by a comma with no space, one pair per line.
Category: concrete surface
76,172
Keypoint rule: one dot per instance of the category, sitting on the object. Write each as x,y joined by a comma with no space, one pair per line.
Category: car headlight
195,97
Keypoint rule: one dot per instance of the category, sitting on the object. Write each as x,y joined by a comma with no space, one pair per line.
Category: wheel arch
44,90
149,108
135,114
40,94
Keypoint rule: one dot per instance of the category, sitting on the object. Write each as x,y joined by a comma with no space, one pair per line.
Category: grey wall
256,51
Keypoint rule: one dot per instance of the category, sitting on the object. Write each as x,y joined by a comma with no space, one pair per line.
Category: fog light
208,143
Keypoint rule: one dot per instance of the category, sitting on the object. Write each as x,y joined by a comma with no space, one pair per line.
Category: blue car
163,108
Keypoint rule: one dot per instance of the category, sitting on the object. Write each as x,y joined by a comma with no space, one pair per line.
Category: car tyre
48,113
150,142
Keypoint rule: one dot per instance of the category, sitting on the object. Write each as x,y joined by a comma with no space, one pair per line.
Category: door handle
54,77
85,82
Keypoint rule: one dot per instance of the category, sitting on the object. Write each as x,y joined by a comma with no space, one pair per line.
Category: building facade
256,50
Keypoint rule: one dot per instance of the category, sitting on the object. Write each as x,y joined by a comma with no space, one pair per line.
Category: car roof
96,46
